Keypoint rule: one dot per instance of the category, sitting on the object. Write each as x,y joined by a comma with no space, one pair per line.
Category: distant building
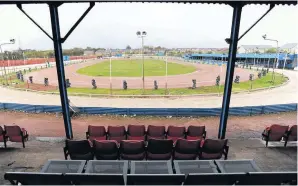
88,52
253,48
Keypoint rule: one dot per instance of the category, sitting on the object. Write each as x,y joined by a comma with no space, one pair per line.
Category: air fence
177,112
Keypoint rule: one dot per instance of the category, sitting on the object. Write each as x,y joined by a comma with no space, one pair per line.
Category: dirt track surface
51,125
205,76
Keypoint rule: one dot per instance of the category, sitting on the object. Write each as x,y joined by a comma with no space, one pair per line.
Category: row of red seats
139,132
280,132
13,133
155,149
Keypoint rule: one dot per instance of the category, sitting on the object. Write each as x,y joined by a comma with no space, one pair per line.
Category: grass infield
133,68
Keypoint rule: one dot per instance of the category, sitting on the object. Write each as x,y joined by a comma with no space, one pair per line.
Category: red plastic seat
274,133
196,132
214,149
175,132
156,132
132,150
16,134
186,149
116,133
136,132
3,137
78,150
96,133
159,149
291,135
106,150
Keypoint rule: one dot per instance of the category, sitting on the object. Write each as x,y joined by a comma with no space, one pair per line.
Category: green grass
242,86
133,68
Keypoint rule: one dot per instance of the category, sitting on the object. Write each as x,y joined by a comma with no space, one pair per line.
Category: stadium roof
276,2
289,46
247,47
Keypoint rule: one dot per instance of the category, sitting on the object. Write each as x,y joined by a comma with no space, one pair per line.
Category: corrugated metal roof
289,46
271,56
277,2
247,47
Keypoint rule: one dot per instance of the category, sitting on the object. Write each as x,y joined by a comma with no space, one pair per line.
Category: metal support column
233,41
60,68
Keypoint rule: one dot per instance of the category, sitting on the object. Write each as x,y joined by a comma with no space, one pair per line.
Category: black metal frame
57,41
232,41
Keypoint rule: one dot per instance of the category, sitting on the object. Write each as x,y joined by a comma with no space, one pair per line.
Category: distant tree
209,52
271,50
128,47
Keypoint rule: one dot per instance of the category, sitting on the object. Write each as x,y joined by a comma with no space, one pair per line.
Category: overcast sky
114,25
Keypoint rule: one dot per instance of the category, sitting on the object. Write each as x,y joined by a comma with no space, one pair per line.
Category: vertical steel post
237,8
60,68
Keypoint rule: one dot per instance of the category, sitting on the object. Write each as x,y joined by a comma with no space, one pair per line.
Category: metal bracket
20,7
78,22
270,8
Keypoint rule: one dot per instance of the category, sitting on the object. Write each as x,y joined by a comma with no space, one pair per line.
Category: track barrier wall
178,112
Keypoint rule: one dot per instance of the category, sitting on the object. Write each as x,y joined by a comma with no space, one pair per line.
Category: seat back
186,149
35,178
195,132
136,132
156,132
276,132
293,133
213,178
159,149
116,133
132,150
12,131
79,150
95,179
176,132
1,130
213,148
270,178
105,150
155,179
97,131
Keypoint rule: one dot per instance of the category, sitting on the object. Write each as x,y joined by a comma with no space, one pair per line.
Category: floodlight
264,36
138,33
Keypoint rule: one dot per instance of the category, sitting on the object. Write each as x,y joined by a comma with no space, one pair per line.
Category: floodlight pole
277,56
60,68
142,35
283,69
111,73
166,88
143,68
233,41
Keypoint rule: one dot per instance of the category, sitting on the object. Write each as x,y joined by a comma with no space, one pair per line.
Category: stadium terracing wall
33,61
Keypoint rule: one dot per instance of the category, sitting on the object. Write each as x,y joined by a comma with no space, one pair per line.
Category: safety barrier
239,111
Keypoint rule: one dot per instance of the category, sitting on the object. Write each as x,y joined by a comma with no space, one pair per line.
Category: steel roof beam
21,8
78,22
270,8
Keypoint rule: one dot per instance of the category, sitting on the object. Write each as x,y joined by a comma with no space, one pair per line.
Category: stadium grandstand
286,59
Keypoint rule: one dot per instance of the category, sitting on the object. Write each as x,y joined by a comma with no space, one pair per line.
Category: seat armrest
87,135
65,150
205,134
226,151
